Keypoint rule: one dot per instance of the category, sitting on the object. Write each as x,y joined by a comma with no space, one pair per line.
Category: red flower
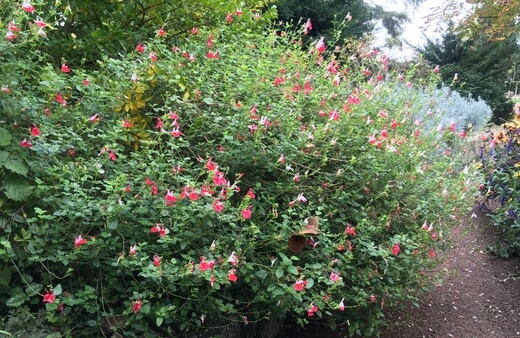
396,249
246,213
49,297
312,310
210,165
372,298
25,144
350,230
205,265
112,156
300,284
65,68
158,228
136,306
156,260
59,98
161,32
170,198
212,55
140,48
232,276
78,241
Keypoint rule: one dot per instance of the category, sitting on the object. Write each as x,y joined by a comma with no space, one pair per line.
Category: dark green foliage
481,66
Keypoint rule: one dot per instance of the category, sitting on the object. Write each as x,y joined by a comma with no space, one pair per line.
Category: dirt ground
479,295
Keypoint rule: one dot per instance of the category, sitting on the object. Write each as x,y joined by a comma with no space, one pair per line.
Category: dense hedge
229,177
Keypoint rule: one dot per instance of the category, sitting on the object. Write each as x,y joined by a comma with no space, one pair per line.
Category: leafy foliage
501,162
481,68
176,187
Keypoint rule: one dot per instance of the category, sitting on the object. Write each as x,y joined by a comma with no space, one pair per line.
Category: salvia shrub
229,178
500,159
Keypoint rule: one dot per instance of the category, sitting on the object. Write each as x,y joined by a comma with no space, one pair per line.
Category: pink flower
210,41
251,194
431,253
396,249
170,198
206,265
233,259
35,131
384,133
65,68
126,124
176,132
341,305
210,165
10,36
229,18
300,284
152,56
49,297
218,178
112,156
26,6
373,298
301,198
334,277
246,213
156,260
25,144
136,306
282,159
232,276
86,82
436,70
78,241
94,118
140,48
218,206
12,27
238,12
320,46
38,22
133,250
456,77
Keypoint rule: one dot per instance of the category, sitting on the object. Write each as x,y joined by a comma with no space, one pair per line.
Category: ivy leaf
5,137
16,187
16,165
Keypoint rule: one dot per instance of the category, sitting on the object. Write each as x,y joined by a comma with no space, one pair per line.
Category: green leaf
208,100
310,283
292,269
261,274
5,137
17,299
5,276
159,321
16,165
16,187
3,156
279,273
57,290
